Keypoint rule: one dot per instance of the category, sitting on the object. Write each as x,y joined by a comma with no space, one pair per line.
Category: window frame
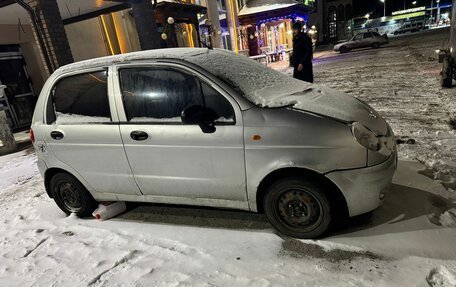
56,80
179,68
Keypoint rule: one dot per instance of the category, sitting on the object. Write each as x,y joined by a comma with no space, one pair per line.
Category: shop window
348,12
332,23
340,13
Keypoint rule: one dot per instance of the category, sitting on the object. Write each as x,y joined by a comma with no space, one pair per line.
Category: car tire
343,49
396,33
298,208
71,196
447,72
376,45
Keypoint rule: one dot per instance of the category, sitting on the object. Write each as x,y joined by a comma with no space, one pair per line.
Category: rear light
32,136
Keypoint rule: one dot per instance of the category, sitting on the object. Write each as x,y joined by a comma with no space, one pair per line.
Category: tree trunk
144,15
7,141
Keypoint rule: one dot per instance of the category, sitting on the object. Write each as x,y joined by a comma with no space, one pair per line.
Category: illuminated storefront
267,28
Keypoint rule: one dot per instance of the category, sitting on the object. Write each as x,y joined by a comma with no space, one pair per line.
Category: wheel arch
336,195
50,173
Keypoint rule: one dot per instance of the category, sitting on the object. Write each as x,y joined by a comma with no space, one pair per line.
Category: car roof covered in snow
170,53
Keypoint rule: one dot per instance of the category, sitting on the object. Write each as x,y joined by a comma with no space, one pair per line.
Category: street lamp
414,2
384,7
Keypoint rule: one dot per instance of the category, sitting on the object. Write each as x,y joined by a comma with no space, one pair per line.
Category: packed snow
153,245
81,119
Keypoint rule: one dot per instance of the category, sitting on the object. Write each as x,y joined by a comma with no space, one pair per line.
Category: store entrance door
19,98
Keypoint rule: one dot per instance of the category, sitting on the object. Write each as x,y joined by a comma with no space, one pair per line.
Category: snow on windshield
249,77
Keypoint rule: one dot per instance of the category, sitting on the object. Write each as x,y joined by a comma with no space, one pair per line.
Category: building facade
332,19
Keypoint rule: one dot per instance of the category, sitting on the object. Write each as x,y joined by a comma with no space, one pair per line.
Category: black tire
376,45
396,33
447,72
343,49
298,208
71,196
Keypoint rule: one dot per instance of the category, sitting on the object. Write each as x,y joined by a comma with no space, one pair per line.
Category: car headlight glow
365,137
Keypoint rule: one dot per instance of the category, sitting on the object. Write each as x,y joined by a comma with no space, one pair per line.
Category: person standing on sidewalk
302,54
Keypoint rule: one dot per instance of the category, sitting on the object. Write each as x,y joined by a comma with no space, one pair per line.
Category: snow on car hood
268,88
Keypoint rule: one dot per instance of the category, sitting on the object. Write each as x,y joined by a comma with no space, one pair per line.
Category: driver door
356,41
171,159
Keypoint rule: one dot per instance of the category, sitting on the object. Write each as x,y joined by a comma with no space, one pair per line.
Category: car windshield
251,79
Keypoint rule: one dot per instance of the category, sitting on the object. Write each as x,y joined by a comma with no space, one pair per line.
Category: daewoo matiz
209,128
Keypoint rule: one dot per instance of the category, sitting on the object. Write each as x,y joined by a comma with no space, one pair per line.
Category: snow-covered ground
402,82
409,241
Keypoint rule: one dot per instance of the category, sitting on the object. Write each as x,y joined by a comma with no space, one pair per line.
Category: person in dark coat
302,54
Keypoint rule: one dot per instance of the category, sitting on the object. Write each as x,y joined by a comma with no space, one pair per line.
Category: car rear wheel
447,72
298,208
71,196
343,49
376,45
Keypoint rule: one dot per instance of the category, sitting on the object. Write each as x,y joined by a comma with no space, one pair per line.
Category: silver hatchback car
362,40
209,128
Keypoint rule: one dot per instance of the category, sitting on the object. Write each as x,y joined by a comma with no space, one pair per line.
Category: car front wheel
343,49
298,208
71,196
376,45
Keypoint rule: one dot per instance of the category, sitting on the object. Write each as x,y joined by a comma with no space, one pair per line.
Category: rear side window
367,35
82,98
160,95
376,34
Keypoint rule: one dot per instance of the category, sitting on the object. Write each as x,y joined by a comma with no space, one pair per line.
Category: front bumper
365,188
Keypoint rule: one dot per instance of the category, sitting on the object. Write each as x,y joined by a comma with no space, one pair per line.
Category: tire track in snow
127,258
36,247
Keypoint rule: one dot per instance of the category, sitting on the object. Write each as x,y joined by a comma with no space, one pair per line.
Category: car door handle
56,135
139,135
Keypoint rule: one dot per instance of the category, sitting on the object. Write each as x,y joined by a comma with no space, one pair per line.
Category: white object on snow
448,218
442,277
109,210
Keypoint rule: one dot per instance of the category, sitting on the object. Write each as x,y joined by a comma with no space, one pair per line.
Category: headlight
365,137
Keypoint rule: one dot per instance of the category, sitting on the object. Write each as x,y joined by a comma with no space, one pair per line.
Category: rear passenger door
172,159
368,39
83,132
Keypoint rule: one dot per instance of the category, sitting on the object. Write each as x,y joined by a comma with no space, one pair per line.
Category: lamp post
384,7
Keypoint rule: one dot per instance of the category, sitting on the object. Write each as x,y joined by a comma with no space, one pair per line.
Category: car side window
367,35
160,95
81,98
219,104
358,37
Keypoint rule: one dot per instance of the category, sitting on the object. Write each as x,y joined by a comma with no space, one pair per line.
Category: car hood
330,103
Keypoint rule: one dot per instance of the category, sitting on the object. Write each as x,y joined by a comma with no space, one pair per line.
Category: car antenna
205,45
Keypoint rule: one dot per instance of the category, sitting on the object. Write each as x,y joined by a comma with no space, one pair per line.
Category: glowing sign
412,10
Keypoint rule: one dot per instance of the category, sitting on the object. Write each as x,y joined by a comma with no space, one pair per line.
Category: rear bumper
365,188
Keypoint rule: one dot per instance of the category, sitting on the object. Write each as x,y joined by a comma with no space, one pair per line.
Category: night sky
362,7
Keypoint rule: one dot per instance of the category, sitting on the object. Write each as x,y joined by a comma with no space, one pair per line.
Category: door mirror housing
199,115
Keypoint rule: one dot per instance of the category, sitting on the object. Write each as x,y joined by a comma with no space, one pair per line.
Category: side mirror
199,115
